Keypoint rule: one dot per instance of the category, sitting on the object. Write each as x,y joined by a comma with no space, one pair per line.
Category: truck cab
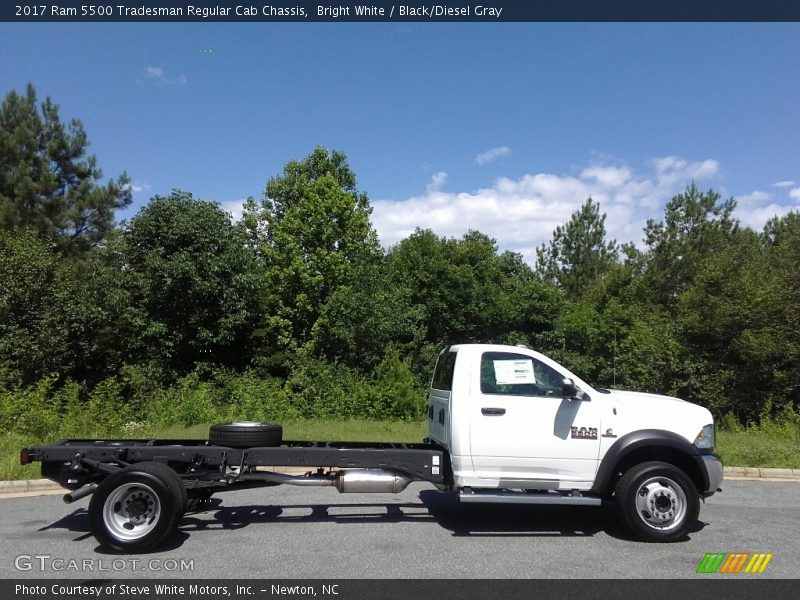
517,424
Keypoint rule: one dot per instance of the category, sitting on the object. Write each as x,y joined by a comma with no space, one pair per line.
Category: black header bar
392,589
453,11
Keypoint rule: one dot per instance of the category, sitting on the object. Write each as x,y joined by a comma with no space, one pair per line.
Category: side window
510,374
443,373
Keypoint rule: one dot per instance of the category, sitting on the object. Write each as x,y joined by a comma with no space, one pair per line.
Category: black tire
658,502
151,489
246,434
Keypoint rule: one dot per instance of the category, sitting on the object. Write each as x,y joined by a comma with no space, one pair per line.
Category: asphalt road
290,532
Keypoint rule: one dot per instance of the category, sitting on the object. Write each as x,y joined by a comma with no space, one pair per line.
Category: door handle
493,412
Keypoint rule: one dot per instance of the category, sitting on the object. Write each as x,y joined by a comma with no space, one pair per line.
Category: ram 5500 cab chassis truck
506,425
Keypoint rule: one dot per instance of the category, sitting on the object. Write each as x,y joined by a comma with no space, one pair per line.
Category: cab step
521,497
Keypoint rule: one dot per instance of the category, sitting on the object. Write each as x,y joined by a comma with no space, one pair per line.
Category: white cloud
672,169
783,183
492,154
607,176
137,188
757,216
437,182
755,197
158,75
522,213
752,210
235,208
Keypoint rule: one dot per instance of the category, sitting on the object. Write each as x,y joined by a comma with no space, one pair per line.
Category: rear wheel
135,509
246,434
658,501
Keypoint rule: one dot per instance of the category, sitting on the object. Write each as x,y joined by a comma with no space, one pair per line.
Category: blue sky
504,128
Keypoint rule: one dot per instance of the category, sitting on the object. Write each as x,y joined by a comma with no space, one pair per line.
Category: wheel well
665,454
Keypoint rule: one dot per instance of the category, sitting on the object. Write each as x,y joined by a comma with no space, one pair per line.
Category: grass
772,445
754,448
10,445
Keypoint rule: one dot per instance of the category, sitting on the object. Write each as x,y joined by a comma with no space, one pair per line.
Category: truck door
439,398
522,429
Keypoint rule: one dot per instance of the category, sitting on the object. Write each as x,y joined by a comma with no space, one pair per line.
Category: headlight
705,439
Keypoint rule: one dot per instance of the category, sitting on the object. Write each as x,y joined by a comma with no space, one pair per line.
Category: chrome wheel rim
131,511
661,503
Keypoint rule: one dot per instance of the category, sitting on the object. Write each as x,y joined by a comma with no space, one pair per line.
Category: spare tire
246,434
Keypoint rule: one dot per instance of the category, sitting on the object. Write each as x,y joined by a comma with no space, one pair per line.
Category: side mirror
571,392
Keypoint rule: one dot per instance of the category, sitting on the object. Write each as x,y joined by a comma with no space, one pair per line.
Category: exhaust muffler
352,481
81,492
371,481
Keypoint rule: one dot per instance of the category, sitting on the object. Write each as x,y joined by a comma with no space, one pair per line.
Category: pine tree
48,182
578,253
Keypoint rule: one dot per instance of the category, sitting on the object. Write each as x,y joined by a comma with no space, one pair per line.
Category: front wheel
658,501
136,508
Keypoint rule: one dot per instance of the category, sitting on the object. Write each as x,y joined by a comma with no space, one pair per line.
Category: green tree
33,334
739,322
578,253
190,291
48,182
783,231
48,321
360,320
313,234
613,338
695,224
469,293
649,355
394,392
730,325
784,260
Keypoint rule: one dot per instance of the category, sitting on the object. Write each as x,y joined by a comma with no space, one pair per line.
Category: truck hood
652,411
628,398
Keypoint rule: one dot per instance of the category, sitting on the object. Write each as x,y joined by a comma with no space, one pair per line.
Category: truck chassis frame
77,463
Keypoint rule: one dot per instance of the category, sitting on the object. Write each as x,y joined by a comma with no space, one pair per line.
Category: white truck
519,427
506,425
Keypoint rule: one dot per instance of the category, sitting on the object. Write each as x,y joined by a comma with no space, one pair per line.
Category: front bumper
711,468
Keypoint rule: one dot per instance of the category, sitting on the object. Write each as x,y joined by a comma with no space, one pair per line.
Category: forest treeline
180,313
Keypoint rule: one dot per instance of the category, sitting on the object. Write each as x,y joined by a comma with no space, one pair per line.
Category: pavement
291,532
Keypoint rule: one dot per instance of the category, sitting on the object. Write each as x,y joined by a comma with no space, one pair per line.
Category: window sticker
513,371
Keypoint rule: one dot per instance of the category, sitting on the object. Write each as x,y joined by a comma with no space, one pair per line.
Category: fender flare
643,438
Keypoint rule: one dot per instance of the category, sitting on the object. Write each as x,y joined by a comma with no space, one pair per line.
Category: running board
506,497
